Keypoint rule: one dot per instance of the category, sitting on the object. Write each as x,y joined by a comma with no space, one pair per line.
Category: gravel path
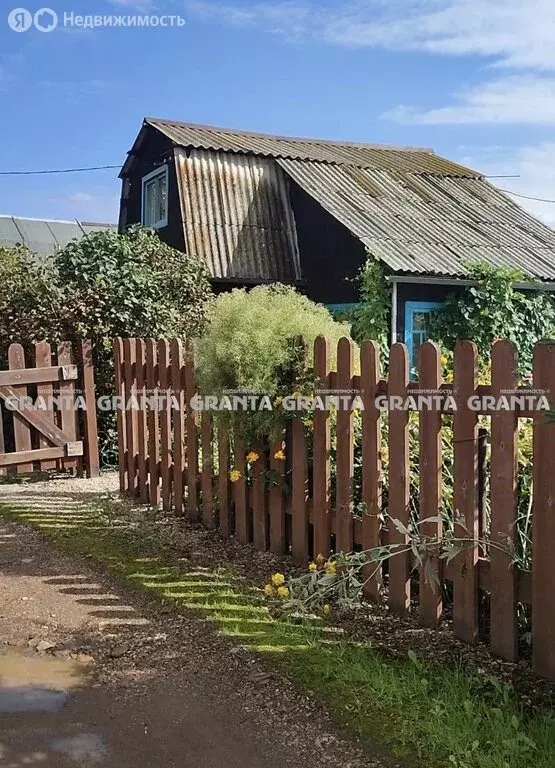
92,674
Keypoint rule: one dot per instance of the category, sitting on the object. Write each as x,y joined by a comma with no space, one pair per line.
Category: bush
30,303
99,287
250,345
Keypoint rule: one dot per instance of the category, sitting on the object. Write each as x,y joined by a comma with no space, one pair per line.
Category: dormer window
155,198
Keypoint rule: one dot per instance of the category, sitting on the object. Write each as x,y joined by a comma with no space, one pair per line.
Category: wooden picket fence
159,464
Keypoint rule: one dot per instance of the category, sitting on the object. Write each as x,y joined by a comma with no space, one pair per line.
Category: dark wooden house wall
156,150
330,255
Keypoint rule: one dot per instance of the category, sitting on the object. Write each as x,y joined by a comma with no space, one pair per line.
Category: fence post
92,460
431,605
399,480
176,349
371,463
503,633
543,561
240,492
465,439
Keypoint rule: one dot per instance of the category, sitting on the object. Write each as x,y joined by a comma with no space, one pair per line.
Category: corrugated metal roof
376,157
237,215
44,236
421,223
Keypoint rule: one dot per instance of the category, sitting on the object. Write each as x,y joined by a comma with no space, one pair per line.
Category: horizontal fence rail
338,484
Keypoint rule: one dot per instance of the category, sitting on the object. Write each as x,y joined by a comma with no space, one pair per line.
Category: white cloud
515,99
515,33
534,166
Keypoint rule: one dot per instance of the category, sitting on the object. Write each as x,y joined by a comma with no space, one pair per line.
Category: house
44,236
306,212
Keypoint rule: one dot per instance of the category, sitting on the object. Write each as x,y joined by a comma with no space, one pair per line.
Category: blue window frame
417,317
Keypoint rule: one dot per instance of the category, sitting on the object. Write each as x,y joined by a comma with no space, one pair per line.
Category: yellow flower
449,378
235,476
331,567
278,579
269,591
283,592
312,567
252,457
309,424
326,610
296,395
444,360
279,456
278,401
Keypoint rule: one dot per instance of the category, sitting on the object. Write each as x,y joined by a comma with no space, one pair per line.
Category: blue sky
474,79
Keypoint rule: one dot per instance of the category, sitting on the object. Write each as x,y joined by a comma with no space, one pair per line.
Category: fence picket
321,465
240,494
166,452
465,440
399,479
345,450
68,414
276,501
543,563
207,471
153,423
22,433
123,463
177,363
503,634
371,463
43,359
142,444
258,497
191,436
299,516
431,605
92,458
223,483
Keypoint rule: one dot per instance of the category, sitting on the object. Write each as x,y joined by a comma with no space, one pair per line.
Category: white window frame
163,171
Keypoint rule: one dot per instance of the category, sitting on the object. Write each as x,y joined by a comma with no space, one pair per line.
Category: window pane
420,321
149,203
162,197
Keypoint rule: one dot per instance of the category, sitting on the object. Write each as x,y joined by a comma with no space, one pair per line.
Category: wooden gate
48,410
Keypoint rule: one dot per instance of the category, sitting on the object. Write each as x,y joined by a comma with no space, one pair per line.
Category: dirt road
91,676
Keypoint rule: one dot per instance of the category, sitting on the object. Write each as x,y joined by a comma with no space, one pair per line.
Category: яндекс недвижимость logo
21,20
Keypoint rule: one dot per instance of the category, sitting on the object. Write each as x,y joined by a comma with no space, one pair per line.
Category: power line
61,170
528,197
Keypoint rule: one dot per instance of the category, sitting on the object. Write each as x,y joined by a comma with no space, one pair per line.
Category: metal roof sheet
237,216
44,236
404,159
420,223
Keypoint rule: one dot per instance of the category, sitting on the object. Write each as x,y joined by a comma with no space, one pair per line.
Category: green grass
434,717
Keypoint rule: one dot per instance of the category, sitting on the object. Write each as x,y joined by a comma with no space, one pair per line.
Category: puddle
36,683
87,747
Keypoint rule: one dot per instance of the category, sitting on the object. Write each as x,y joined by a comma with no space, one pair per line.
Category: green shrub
99,287
250,345
30,300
